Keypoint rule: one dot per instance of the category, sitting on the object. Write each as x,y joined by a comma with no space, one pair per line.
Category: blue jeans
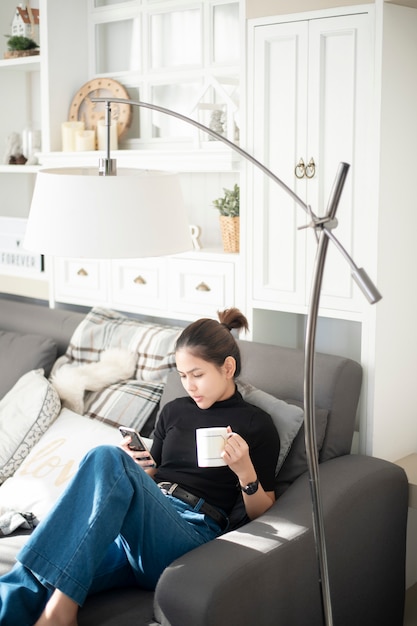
112,527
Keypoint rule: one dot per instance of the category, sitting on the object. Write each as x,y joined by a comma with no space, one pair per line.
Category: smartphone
137,442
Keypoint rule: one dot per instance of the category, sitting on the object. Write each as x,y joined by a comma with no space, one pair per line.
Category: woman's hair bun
233,319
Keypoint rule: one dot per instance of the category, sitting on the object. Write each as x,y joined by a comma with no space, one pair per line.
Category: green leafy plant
229,204
18,42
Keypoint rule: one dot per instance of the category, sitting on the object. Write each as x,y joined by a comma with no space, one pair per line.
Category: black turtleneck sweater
174,447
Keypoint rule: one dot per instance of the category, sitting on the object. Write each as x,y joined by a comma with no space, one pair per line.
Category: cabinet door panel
279,132
310,101
337,127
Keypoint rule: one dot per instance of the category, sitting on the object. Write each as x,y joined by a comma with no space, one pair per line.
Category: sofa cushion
134,402
20,353
26,412
46,471
287,418
296,462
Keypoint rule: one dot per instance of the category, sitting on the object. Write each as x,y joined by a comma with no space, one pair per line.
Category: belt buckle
168,488
214,514
172,489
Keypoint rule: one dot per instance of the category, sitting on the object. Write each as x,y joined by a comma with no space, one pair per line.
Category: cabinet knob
310,168
82,272
139,280
202,287
300,169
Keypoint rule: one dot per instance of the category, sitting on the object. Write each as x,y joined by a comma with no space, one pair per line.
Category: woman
122,519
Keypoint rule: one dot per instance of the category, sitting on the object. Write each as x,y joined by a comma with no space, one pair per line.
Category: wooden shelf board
24,64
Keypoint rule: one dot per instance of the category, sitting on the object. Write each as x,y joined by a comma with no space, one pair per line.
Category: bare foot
59,611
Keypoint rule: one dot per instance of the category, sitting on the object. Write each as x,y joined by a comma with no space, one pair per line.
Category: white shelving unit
85,39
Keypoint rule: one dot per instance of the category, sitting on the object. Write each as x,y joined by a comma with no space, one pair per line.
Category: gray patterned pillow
26,412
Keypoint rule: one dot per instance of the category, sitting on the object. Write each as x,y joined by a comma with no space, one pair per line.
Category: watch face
251,488
82,109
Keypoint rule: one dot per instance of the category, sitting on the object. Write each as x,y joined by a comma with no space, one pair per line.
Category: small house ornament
24,38
26,23
217,108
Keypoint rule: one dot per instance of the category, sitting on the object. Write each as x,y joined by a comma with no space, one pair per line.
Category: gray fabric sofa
265,573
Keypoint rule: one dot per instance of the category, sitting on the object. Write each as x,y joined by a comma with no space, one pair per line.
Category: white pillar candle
102,135
68,130
85,140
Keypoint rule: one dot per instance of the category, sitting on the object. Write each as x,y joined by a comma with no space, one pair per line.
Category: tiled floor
410,617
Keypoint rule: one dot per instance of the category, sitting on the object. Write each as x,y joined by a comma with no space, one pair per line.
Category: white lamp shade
77,213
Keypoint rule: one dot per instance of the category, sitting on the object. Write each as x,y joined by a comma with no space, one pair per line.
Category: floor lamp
99,203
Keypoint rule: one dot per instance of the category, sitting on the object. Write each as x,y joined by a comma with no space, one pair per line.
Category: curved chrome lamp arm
323,228
326,224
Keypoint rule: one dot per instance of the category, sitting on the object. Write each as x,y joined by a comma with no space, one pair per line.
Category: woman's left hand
141,457
236,454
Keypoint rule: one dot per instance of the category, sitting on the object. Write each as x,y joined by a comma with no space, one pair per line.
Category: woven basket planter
230,229
15,54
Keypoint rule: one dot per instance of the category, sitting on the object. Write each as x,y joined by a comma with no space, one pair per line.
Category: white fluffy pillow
52,462
26,412
71,381
287,418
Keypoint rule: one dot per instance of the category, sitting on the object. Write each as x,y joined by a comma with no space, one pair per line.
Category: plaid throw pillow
131,403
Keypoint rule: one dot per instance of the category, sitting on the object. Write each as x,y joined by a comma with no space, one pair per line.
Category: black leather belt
173,489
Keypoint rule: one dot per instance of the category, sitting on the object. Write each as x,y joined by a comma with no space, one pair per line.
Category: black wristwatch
251,488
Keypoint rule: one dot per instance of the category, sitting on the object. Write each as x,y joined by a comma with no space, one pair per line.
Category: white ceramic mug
210,445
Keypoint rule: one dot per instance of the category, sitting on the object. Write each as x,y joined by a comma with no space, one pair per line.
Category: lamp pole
323,228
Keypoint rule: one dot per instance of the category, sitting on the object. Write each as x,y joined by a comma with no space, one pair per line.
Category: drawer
139,283
83,281
201,287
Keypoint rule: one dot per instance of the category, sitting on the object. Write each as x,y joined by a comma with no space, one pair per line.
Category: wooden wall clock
82,109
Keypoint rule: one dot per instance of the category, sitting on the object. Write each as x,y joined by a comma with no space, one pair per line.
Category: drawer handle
82,272
202,287
139,280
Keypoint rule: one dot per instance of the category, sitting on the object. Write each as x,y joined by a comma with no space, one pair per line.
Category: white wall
394,431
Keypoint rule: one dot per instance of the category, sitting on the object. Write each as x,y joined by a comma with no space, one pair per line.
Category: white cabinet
85,39
379,201
184,286
310,101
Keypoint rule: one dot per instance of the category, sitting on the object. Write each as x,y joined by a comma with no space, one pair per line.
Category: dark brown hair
212,341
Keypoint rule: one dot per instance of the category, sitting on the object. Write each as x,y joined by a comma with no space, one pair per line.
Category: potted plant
19,46
229,207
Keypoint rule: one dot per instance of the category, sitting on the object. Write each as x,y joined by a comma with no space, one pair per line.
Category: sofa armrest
266,572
